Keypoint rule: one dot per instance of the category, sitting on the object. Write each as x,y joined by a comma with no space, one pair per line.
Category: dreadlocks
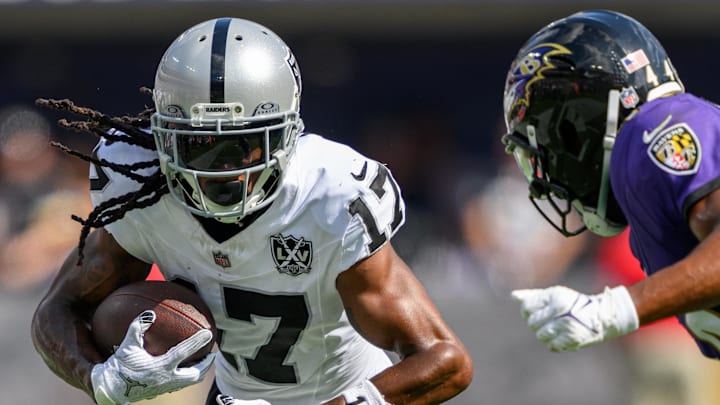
103,126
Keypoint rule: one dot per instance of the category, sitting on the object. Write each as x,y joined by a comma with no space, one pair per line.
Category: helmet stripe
217,60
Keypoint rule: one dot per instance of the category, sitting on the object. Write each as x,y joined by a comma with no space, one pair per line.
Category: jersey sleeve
376,211
681,157
665,165
690,189
108,187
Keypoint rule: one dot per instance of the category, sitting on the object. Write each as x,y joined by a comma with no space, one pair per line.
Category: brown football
180,312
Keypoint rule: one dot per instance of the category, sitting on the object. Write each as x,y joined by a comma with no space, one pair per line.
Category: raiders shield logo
291,256
676,150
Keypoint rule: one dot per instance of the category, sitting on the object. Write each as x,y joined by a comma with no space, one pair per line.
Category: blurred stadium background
415,84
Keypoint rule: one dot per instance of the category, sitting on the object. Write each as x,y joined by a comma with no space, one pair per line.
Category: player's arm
60,324
565,319
692,283
390,308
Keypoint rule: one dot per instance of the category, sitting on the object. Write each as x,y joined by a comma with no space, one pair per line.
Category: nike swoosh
648,136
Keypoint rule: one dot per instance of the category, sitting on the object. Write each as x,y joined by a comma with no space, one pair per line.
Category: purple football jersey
665,159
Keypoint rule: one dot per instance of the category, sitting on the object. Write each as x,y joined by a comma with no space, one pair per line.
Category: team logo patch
291,255
529,70
676,150
221,259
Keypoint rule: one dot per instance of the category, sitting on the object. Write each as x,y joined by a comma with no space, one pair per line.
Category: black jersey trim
699,194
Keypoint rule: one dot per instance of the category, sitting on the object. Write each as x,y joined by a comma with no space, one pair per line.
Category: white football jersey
283,332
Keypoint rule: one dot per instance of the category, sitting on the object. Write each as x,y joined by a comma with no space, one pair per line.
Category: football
180,312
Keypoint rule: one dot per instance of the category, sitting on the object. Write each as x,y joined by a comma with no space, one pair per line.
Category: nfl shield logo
221,259
291,255
629,97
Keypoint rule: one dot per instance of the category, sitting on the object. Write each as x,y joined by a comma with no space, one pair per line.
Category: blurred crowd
471,234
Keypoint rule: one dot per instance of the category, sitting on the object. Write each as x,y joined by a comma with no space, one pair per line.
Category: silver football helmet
227,99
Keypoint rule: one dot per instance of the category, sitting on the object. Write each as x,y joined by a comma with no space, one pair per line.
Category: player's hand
132,374
565,319
228,400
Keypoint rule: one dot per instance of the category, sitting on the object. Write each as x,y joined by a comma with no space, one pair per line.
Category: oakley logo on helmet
266,108
174,111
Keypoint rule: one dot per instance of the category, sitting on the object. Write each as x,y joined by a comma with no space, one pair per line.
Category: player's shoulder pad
361,187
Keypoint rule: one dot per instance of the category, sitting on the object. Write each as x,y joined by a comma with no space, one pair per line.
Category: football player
600,124
285,235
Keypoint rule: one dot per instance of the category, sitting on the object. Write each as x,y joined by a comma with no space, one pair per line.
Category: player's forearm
428,377
689,285
63,341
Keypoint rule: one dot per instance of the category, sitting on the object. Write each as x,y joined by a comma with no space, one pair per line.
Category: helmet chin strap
597,221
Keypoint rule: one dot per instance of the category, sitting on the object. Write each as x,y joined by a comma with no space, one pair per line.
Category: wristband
626,318
365,393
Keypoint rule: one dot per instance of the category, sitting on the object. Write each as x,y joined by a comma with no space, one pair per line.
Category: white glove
228,400
565,319
365,393
132,374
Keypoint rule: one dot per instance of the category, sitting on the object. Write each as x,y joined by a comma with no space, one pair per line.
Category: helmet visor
230,148
224,152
